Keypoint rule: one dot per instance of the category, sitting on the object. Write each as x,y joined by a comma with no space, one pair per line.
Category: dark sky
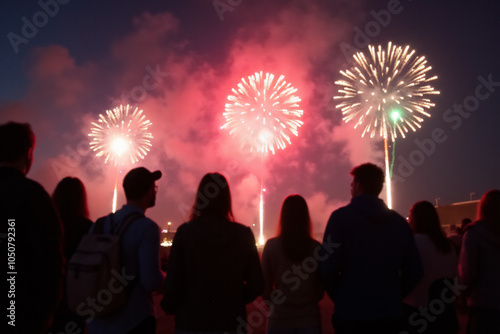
86,56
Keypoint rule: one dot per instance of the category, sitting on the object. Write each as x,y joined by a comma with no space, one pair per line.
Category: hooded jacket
376,263
480,264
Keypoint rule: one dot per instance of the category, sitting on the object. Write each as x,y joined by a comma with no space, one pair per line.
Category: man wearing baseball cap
140,244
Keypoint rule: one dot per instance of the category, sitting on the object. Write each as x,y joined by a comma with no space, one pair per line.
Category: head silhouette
463,225
140,188
17,143
425,220
295,227
489,206
368,179
213,198
70,198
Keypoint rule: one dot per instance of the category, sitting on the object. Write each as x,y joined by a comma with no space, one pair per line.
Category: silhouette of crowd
385,274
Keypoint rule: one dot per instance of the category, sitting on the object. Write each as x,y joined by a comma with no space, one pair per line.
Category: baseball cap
137,182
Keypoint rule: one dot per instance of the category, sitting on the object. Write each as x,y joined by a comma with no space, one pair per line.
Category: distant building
166,239
453,214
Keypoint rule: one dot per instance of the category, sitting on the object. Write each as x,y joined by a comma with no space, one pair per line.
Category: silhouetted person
463,225
35,235
214,267
140,244
376,263
70,199
439,261
480,266
290,263
457,238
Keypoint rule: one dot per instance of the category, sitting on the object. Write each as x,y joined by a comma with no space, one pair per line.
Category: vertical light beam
115,195
261,214
387,176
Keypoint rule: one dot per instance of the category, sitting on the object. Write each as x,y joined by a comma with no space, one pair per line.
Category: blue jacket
140,245
375,264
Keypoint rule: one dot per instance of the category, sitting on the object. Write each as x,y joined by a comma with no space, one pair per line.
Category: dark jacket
375,264
36,238
480,264
75,228
213,271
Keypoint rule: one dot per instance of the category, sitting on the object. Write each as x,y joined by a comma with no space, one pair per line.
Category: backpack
96,283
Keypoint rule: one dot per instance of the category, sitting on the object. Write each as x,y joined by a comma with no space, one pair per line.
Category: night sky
87,56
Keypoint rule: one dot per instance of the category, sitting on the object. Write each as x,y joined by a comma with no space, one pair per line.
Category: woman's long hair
70,198
213,198
489,206
295,228
425,220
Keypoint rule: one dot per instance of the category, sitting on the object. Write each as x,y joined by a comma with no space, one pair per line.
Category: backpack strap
126,222
99,227
99,224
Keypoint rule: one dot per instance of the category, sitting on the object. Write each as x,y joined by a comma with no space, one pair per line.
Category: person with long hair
214,268
480,266
439,261
70,200
297,310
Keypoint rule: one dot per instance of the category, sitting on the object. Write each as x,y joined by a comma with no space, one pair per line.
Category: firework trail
121,136
263,113
387,93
